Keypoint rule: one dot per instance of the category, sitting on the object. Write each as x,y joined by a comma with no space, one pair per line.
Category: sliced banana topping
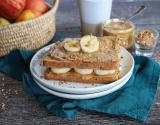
120,68
72,45
104,72
60,70
89,43
83,71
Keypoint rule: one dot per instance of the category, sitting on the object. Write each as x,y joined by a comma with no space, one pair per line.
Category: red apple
38,7
11,9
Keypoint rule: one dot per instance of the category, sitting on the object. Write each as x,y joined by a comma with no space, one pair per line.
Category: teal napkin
133,100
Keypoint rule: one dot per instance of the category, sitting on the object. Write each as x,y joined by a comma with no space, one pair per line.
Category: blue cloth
133,100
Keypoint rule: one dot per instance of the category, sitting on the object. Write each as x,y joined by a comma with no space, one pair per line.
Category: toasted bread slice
107,57
51,62
75,77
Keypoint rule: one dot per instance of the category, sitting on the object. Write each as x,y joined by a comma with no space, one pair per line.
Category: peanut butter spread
118,26
108,51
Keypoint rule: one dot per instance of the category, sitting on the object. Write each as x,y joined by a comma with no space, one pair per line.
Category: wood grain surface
21,109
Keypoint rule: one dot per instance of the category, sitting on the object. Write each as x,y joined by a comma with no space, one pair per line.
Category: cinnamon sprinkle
5,94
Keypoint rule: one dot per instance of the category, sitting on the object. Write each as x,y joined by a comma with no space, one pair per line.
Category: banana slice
83,71
60,70
89,43
72,45
120,68
104,72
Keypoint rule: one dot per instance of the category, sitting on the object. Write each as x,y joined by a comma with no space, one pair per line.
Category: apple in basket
3,21
10,9
25,15
38,7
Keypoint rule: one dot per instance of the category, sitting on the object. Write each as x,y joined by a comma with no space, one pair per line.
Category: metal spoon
138,11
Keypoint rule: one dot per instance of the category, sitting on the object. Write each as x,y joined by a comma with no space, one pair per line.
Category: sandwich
89,59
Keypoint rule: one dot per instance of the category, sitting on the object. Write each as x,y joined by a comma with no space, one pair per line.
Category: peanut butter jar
122,29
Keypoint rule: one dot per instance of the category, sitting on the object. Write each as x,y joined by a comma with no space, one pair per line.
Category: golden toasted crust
75,77
71,64
108,56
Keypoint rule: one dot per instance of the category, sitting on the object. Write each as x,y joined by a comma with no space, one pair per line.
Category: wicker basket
31,34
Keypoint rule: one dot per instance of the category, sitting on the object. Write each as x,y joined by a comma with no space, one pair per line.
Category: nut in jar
122,29
145,41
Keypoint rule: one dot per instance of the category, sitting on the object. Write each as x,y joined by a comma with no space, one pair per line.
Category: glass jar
145,41
122,29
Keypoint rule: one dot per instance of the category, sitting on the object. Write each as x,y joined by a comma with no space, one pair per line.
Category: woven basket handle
54,5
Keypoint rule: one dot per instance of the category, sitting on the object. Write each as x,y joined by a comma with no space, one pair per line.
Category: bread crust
75,77
72,64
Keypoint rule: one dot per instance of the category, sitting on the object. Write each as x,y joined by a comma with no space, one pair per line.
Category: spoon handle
138,11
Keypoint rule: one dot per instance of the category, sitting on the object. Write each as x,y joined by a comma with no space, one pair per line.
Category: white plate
127,64
84,96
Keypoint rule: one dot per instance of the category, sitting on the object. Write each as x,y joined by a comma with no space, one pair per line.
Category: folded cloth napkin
134,99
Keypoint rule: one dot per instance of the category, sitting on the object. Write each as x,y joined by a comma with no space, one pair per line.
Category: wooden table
22,109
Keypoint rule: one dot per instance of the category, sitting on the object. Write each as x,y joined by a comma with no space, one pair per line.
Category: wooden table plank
23,109
71,17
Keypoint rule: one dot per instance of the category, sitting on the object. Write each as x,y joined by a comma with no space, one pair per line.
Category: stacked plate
73,90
